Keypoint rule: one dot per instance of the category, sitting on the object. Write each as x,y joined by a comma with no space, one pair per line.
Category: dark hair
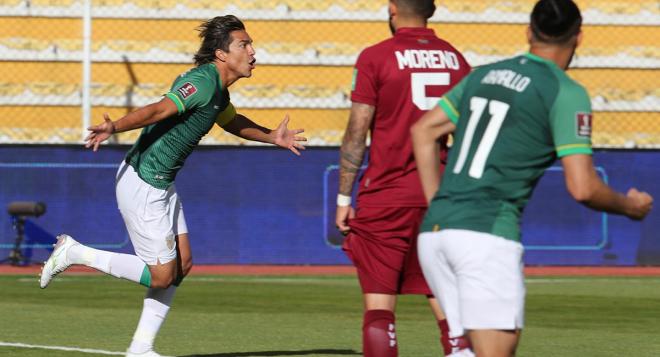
555,21
421,8
215,34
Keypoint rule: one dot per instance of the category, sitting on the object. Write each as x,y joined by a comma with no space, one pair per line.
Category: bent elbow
582,193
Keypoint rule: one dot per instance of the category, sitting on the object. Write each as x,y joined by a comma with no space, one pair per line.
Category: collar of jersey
536,58
415,31
215,70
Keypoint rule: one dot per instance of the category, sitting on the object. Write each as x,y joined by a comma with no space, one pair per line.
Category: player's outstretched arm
351,154
142,117
281,136
425,134
587,188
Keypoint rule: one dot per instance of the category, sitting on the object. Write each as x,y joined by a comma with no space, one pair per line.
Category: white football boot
57,262
149,353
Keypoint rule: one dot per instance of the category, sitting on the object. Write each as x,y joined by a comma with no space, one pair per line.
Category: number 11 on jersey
497,111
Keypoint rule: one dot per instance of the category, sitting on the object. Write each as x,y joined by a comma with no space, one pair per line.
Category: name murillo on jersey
507,79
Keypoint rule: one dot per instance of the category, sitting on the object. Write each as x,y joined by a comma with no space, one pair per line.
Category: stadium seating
303,66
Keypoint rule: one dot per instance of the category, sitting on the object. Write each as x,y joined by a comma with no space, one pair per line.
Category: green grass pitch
313,316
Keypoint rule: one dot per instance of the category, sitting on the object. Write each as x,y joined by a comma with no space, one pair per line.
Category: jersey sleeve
191,91
364,89
449,102
226,115
570,120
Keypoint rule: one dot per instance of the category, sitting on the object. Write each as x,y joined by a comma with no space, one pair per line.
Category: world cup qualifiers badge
584,124
186,90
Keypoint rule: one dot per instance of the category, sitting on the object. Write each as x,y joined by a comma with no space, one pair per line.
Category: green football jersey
513,119
162,147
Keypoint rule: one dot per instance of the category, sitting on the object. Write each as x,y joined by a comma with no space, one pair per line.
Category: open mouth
253,62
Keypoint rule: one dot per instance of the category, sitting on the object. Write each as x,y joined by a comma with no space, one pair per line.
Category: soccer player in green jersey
511,120
146,194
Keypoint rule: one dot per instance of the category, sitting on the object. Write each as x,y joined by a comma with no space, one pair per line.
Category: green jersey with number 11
513,119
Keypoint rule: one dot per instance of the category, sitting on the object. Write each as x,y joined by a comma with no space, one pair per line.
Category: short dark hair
555,21
421,8
216,34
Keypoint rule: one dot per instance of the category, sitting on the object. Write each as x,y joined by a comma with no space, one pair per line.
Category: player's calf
379,334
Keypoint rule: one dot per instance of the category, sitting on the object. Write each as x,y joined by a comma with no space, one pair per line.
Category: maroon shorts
382,244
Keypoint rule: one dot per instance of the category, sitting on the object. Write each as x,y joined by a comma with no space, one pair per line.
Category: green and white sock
124,266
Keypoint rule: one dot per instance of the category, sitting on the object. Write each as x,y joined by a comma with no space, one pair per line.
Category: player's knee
162,281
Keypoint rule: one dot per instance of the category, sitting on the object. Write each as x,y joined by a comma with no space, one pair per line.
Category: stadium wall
259,205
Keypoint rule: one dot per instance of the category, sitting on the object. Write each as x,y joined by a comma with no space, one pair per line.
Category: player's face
240,58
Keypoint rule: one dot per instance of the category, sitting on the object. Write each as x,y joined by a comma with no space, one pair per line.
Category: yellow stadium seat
307,91
53,3
69,44
11,89
177,46
155,4
284,48
256,4
361,5
337,49
129,46
10,3
109,3
52,88
465,6
259,91
307,5
30,44
151,90
108,90
518,6
206,4
618,7
644,52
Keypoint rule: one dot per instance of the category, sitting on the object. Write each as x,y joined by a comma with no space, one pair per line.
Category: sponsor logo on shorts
583,121
186,90
170,243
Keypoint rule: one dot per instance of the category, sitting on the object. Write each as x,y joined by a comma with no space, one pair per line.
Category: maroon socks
451,345
379,334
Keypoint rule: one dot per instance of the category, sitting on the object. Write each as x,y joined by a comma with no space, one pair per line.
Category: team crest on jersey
186,90
583,121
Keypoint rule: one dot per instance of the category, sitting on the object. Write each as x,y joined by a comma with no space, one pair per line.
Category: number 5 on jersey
418,84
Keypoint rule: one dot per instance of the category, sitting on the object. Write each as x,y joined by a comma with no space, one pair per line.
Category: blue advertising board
262,205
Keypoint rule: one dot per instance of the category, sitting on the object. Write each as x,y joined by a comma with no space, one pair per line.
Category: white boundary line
61,348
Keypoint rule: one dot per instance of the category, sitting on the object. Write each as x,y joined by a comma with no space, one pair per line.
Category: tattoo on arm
354,146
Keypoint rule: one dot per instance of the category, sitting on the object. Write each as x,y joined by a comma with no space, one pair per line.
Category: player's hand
99,133
344,213
289,139
641,204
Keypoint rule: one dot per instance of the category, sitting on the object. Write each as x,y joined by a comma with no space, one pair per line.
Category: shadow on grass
282,353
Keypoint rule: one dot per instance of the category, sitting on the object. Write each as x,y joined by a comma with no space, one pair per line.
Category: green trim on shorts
145,279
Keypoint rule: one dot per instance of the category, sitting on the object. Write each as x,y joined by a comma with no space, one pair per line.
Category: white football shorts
153,217
477,277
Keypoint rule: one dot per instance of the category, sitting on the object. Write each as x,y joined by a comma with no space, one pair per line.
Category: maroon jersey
402,77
